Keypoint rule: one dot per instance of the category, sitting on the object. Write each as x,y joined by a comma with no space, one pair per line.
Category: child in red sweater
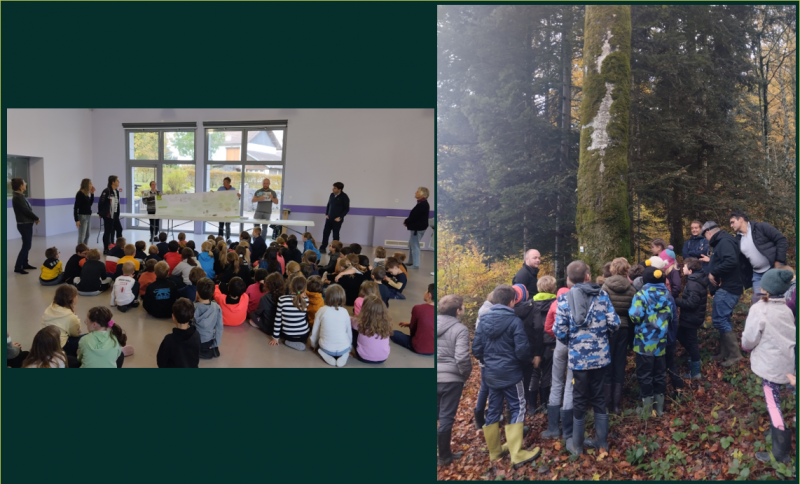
254,290
423,322
173,257
234,304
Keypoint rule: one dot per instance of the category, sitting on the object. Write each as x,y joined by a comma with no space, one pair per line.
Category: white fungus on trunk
605,52
600,125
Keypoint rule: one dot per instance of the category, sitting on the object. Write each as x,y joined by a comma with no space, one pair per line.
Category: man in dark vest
530,269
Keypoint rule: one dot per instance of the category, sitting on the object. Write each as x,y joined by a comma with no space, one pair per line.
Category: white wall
60,140
381,155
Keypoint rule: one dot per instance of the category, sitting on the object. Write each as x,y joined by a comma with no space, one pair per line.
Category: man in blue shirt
226,185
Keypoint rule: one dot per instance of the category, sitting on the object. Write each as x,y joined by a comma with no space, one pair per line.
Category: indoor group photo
220,238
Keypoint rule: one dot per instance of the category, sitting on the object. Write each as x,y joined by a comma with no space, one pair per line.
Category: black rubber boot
544,396
566,423
480,421
601,433
607,396
616,397
445,455
575,443
781,441
552,431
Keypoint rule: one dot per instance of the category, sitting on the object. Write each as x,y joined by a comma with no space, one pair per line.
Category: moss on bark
602,221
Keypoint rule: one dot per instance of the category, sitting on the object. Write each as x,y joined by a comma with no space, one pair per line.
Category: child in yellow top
52,271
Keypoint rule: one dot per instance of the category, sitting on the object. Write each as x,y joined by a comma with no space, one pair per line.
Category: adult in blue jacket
501,344
697,245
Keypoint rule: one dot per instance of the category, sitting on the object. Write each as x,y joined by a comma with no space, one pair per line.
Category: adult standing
762,248
265,196
149,197
82,210
226,185
417,223
697,245
724,274
108,208
453,367
25,220
338,206
528,272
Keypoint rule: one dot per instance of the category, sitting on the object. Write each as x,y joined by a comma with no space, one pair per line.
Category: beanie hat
522,293
668,255
656,262
653,275
776,281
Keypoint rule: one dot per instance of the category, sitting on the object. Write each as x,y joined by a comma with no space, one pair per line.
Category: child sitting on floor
332,332
189,291
153,254
45,351
257,246
379,275
94,278
160,294
292,251
244,241
130,252
367,288
401,259
208,319
307,270
52,271
229,269
255,291
244,265
422,327
190,244
380,257
263,317
180,273
75,263
140,255
310,244
63,315
173,256
291,318
371,331
181,349
14,354
103,346
395,278
310,257
182,239
314,293
115,253
148,276
162,245
292,269
206,259
334,253
771,337
234,303
126,289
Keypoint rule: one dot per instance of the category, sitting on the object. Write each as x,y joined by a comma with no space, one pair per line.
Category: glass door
141,176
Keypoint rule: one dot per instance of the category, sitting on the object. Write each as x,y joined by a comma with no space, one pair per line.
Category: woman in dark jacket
108,208
417,223
82,211
25,220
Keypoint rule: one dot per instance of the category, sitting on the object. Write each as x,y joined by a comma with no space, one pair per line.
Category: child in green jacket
103,346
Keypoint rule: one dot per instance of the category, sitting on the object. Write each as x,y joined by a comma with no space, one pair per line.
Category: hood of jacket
696,237
55,312
543,296
497,320
100,341
443,323
618,284
698,277
315,298
532,270
656,300
205,257
582,295
204,312
50,263
524,309
183,334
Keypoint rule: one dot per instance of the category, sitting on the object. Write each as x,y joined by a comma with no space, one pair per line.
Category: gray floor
242,346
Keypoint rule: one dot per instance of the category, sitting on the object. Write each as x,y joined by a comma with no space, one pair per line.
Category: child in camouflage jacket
651,313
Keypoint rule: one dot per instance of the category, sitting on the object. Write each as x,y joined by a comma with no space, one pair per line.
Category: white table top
285,223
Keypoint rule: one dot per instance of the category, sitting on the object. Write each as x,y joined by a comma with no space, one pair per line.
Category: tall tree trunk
602,215
566,107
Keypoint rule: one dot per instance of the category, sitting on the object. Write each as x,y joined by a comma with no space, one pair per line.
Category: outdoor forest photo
616,242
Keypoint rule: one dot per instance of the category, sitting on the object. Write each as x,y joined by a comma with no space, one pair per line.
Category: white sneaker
342,360
328,358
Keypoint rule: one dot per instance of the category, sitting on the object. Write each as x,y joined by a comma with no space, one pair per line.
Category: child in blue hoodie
651,313
310,244
206,259
207,319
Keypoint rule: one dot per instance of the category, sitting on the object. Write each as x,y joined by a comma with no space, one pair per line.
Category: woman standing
150,198
83,210
25,220
108,208
417,223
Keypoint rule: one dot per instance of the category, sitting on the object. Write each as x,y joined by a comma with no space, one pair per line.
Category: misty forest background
712,128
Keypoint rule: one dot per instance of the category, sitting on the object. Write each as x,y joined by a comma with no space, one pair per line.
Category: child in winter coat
692,304
208,319
770,335
126,289
672,271
181,348
206,259
310,244
651,313
103,346
585,321
483,392
332,334
501,344
62,314
620,291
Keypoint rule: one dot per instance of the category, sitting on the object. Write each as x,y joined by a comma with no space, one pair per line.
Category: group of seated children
277,289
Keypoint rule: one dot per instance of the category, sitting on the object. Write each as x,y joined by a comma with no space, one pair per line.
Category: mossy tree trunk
602,221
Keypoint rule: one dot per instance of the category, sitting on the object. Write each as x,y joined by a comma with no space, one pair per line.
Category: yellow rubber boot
514,437
492,435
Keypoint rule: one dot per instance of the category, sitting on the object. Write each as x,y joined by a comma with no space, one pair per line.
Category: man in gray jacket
453,367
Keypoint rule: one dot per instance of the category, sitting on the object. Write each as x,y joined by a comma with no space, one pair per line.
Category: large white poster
204,204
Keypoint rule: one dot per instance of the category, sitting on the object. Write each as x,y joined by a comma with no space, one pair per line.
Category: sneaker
398,296
253,324
206,354
216,352
122,309
322,248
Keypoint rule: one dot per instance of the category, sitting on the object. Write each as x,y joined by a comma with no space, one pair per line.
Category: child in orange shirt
234,304
148,276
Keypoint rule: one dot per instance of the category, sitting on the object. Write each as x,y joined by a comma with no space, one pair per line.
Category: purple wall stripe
376,212
55,202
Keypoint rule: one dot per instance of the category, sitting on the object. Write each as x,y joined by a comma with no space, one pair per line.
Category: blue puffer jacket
696,246
585,319
651,312
501,344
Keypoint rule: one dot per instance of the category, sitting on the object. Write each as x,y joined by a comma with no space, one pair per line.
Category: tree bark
566,108
602,214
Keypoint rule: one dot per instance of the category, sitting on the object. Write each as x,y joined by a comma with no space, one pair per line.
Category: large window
17,167
164,154
247,153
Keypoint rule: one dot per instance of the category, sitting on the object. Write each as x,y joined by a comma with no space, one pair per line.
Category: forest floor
710,432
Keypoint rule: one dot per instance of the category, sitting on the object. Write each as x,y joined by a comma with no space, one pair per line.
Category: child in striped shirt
292,316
